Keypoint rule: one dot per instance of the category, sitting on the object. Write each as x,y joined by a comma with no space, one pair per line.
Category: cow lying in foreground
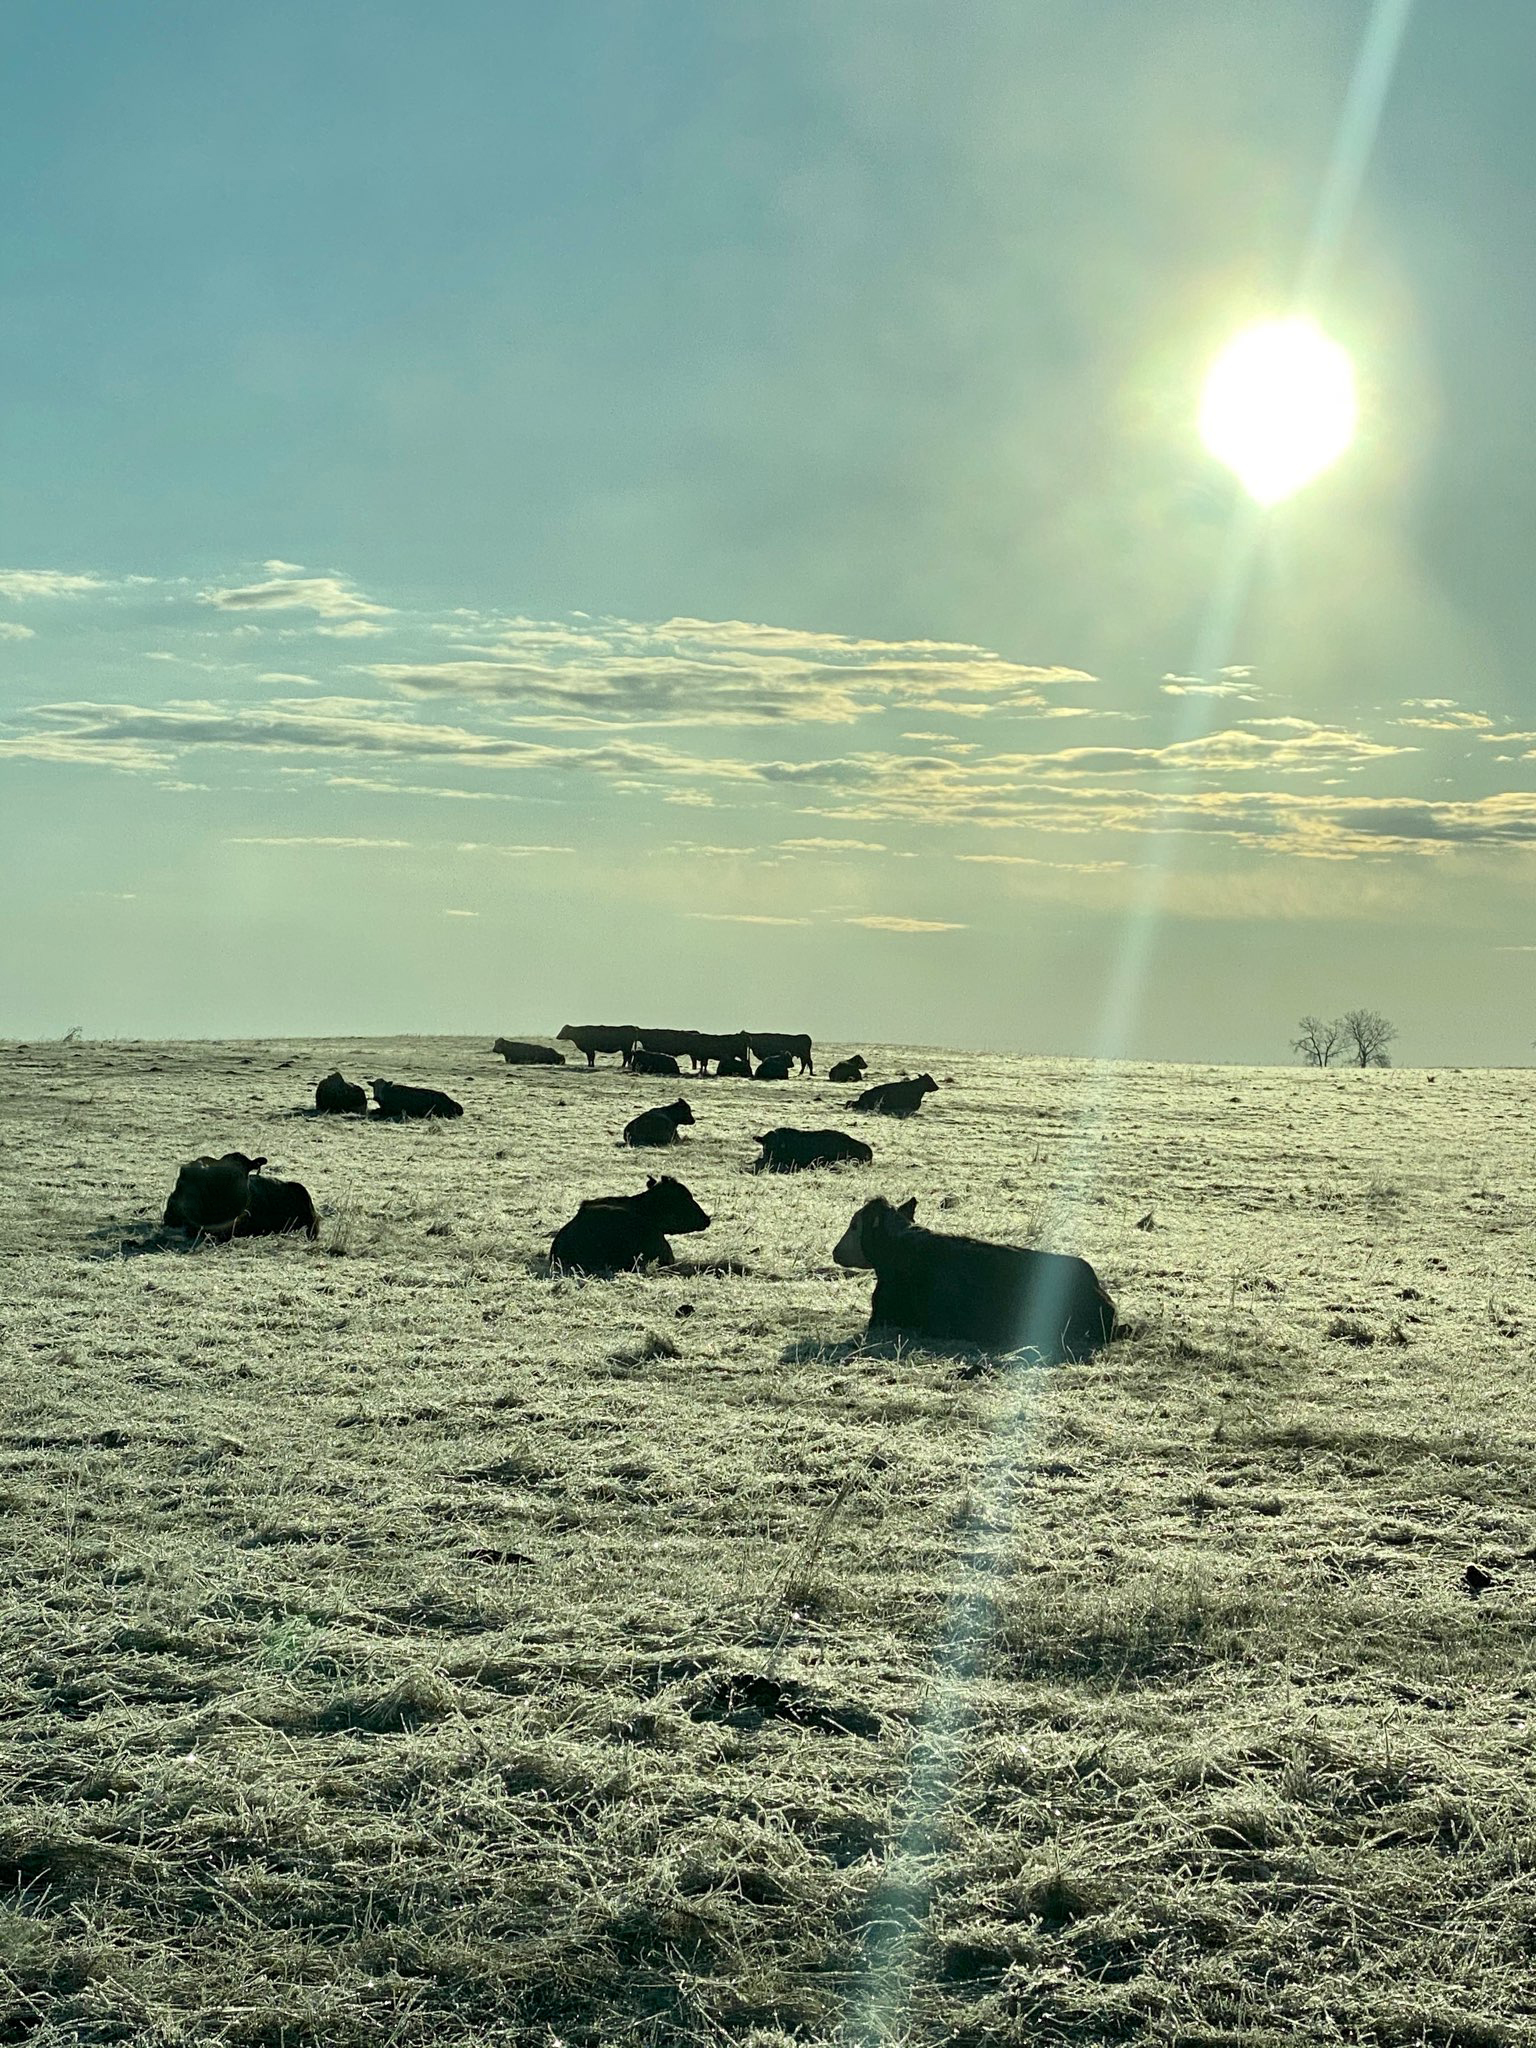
787,1151
658,1126
335,1096
618,1232
895,1098
397,1101
998,1296
229,1197
518,1053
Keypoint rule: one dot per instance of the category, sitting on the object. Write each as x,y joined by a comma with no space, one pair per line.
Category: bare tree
1367,1034
1318,1041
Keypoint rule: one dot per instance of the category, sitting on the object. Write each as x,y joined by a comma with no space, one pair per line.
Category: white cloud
461,913
315,839
1192,686
278,675
740,917
11,630
508,852
905,924
24,583
328,597
833,845
688,671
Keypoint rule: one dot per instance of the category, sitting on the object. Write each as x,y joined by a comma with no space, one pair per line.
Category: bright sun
1279,406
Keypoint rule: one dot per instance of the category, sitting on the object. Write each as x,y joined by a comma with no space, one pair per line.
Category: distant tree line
1357,1039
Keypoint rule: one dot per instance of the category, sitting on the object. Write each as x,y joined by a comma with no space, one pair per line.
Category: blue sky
692,513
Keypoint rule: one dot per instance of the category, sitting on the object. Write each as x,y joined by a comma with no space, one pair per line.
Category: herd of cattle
928,1285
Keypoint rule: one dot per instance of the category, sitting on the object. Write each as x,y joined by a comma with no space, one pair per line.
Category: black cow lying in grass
775,1068
895,1098
397,1101
643,1062
997,1296
229,1197
736,1067
787,1151
517,1053
658,1126
849,1070
337,1097
618,1232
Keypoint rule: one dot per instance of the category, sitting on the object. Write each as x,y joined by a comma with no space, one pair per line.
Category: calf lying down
618,1232
959,1289
231,1197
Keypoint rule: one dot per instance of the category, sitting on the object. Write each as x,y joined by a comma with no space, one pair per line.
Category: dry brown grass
401,1646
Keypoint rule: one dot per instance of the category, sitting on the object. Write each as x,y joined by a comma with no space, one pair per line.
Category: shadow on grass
134,1239
892,1348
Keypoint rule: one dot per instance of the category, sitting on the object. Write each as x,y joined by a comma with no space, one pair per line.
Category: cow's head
875,1225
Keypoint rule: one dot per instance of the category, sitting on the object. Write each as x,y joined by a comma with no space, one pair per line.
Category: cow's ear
650,1180
908,1208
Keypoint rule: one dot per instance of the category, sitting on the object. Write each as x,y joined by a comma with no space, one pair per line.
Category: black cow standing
766,1045
595,1038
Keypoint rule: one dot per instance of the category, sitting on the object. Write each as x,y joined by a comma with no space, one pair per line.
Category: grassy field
401,1646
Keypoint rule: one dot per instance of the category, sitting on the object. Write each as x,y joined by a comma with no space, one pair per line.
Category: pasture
399,1646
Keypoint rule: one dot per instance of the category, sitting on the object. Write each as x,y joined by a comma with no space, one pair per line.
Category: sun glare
1279,406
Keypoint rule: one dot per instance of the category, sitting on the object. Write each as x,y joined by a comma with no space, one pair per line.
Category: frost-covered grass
400,1646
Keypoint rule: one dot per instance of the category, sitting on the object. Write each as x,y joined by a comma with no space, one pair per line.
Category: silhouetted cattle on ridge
735,1067
595,1038
618,1232
517,1053
678,1045
658,1126
397,1101
643,1062
229,1197
849,1070
718,1045
797,1044
337,1097
788,1151
895,1098
775,1069
959,1289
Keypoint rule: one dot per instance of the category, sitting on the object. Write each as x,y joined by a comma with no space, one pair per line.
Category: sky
691,513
